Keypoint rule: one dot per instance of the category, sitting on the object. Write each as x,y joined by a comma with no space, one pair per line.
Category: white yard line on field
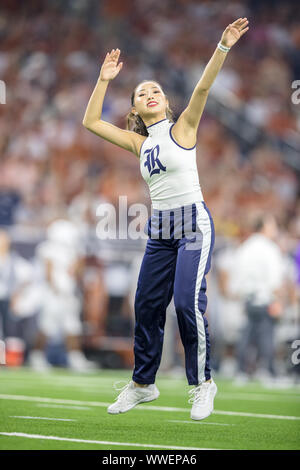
41,417
255,415
9,375
88,441
140,407
63,401
84,408
106,385
197,422
256,396
89,388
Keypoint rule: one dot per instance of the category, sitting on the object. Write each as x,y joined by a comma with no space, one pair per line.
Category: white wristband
223,48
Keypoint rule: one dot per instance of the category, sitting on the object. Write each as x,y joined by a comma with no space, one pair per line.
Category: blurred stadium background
61,287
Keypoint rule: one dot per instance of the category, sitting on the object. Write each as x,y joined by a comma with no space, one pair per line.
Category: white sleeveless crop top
169,169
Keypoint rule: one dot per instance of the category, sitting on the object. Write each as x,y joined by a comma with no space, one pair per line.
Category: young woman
181,230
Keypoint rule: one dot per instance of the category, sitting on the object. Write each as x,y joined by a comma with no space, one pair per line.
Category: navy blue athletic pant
176,261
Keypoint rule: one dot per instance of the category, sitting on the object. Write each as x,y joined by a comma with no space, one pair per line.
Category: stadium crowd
54,174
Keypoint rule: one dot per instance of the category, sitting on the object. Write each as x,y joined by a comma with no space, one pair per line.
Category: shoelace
199,394
122,390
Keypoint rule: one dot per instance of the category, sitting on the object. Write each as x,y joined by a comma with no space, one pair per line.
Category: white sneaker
241,379
202,397
131,396
38,361
78,362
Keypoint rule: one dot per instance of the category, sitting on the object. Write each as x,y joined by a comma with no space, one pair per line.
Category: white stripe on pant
203,223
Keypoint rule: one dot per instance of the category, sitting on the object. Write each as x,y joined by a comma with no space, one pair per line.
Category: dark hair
135,123
261,220
258,223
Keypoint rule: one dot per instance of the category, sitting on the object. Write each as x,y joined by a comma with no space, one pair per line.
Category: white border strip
108,443
141,407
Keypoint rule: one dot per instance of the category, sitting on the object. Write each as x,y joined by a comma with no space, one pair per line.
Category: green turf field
245,417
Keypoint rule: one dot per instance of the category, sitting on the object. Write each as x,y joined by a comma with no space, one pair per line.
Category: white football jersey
169,169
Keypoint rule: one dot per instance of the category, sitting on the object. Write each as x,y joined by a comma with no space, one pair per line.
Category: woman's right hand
110,69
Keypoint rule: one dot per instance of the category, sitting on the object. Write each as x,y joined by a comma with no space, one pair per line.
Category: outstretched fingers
115,55
239,22
241,25
112,56
243,31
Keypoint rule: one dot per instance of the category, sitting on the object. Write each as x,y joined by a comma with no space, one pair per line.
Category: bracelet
223,48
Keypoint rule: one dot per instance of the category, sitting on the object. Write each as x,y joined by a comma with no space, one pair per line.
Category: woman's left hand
234,32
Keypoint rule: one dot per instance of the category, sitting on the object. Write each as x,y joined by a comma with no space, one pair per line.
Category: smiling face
150,102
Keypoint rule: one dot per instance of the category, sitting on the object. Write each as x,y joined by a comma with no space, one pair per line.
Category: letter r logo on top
153,163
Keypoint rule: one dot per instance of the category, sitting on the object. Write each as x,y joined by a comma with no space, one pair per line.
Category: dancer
180,231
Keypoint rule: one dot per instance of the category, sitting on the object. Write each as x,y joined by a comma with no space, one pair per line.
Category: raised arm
185,129
92,119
